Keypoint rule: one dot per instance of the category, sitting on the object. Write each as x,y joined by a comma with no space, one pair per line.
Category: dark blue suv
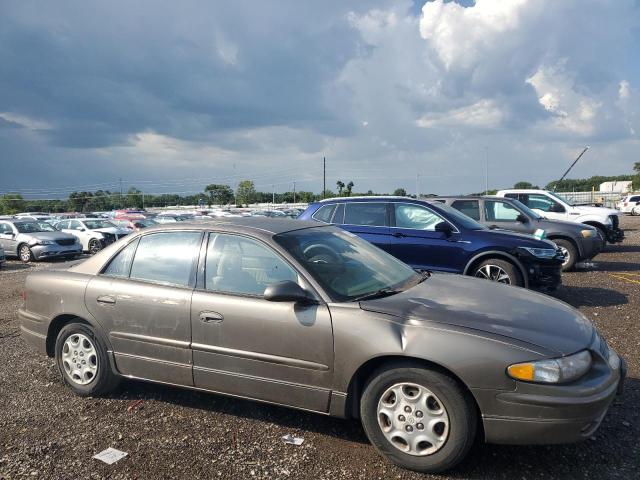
434,236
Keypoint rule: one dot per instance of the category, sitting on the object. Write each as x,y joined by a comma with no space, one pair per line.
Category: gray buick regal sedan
315,318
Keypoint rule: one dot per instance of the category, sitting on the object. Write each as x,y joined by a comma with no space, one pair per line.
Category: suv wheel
83,362
497,270
94,246
570,254
418,418
25,254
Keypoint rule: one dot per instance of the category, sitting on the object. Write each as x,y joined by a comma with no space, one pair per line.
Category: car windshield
523,208
46,227
346,266
94,224
30,227
459,218
560,199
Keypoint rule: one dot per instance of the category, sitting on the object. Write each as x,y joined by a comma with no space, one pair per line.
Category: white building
622,186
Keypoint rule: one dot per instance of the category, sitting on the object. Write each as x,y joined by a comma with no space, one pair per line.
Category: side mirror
81,229
444,227
556,208
522,218
286,291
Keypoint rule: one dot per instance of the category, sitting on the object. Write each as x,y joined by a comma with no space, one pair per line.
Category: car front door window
416,217
495,211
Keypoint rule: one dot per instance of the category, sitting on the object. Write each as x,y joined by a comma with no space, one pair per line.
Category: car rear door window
244,266
495,211
167,257
324,213
365,213
121,263
470,208
416,217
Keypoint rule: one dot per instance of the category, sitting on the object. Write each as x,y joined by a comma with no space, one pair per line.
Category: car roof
475,197
377,198
273,226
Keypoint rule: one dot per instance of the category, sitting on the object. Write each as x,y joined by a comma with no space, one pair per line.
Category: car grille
109,238
66,242
614,221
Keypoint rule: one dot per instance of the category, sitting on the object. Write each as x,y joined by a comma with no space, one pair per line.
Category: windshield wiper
383,292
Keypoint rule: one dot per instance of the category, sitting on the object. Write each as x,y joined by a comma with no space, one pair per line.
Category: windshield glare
94,224
346,266
522,207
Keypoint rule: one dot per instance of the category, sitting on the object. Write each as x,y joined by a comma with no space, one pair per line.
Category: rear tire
570,252
83,362
498,270
403,404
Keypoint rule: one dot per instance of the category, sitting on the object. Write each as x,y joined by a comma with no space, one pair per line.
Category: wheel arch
58,323
503,255
560,236
596,224
363,373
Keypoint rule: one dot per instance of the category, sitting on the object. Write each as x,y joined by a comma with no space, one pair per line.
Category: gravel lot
47,432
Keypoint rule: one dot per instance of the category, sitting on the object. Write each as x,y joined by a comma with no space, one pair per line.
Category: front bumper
41,252
590,247
548,414
615,235
544,275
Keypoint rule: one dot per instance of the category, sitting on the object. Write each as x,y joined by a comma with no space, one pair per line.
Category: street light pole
417,186
486,170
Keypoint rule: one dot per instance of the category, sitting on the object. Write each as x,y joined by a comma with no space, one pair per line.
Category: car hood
113,230
596,210
48,236
485,306
548,224
513,239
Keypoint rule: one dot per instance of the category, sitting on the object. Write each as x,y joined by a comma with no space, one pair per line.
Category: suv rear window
364,213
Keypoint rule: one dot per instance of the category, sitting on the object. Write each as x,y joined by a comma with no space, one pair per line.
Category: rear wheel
82,359
25,254
94,246
570,254
418,418
500,271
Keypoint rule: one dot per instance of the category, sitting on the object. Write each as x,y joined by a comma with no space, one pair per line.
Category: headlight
45,242
588,233
557,370
540,252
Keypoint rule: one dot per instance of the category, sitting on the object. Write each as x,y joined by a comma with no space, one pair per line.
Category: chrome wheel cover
413,419
79,359
493,273
567,255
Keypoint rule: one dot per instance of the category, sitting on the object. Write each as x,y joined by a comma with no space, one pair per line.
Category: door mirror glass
286,291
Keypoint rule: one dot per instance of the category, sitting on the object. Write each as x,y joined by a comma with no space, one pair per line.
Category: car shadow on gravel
614,267
590,296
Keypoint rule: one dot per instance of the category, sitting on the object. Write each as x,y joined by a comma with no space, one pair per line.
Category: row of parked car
518,237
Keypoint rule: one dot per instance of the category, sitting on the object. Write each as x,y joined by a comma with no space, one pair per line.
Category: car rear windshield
346,266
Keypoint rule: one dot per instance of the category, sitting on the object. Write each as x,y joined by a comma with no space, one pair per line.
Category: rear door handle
106,299
211,317
398,234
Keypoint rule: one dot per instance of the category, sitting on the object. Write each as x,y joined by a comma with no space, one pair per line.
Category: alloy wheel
94,247
494,273
79,359
567,255
25,253
413,419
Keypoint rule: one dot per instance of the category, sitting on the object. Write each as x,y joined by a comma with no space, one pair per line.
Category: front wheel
418,418
94,246
500,271
570,254
83,362
25,254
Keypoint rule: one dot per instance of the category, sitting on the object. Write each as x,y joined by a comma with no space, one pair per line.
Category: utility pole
324,176
294,191
142,200
486,170
417,186
121,203
273,197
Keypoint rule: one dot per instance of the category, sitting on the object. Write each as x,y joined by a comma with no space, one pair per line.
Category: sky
171,96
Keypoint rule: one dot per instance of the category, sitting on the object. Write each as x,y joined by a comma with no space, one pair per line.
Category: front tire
82,360
500,271
418,418
94,246
25,253
570,254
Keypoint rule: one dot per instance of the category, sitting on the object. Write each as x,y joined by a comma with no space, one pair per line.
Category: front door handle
106,299
398,234
211,317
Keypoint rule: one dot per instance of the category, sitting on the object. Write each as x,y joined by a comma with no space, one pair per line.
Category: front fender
498,253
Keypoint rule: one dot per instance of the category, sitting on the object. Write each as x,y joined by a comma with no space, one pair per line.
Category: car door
8,238
143,302
417,243
505,216
244,345
369,220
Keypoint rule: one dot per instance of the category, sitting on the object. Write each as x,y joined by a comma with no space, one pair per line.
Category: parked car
434,236
578,242
94,233
135,225
268,213
29,240
628,204
551,206
164,218
312,317
2,257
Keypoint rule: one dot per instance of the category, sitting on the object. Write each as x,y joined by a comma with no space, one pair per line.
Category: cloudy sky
170,96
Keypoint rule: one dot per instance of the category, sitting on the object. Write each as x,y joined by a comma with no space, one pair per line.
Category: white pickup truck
550,205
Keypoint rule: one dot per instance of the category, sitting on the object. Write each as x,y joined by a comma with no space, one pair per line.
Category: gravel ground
47,432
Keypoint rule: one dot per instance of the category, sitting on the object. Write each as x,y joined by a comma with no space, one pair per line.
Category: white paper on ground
292,440
110,455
